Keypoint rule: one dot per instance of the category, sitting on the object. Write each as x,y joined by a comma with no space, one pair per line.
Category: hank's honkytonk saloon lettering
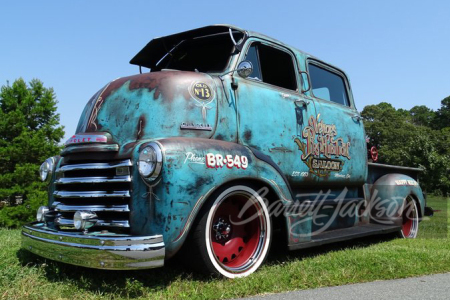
323,148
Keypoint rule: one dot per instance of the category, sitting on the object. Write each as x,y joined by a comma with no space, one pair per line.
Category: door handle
302,102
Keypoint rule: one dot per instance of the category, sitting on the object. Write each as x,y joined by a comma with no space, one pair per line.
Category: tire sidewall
207,234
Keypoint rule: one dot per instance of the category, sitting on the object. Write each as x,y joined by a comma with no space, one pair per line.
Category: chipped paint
218,130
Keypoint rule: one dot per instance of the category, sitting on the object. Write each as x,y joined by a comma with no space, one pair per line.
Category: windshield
208,54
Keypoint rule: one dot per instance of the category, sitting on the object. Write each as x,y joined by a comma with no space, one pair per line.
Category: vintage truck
225,140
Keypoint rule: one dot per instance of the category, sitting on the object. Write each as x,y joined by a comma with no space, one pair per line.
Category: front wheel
233,234
410,219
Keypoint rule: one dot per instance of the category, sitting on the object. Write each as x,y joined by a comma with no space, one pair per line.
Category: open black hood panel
150,55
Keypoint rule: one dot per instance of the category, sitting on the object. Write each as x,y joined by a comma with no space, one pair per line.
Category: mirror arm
221,76
240,67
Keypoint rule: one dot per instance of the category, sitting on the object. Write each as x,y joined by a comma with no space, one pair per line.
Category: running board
340,235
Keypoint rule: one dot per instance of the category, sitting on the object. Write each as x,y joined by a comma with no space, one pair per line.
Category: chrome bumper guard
100,251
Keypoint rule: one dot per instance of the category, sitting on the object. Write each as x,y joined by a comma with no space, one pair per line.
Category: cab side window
328,85
272,66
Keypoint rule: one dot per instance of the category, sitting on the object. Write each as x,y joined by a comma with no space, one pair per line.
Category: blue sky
393,51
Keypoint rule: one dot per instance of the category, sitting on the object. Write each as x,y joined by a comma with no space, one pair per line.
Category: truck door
334,141
272,112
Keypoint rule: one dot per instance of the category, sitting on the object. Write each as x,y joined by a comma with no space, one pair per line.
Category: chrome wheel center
222,229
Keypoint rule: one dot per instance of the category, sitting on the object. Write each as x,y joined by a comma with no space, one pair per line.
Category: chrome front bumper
121,252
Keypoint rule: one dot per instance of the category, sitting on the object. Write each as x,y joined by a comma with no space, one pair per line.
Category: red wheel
410,219
234,234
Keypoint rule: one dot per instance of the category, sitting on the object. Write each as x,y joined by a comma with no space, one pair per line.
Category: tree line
419,137
30,132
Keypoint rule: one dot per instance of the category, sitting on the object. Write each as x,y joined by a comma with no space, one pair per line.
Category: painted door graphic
271,112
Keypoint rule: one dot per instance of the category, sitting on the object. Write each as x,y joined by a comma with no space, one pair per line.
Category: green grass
25,276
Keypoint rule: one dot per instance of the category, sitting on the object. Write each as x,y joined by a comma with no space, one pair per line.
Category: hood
152,105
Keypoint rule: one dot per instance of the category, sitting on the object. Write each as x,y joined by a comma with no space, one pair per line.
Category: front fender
188,180
388,194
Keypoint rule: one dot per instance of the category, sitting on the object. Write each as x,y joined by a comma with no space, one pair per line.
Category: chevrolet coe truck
224,140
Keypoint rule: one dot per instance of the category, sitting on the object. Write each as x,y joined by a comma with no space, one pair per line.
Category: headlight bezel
157,160
46,169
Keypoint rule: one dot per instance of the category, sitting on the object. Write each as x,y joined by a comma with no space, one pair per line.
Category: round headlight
83,220
46,169
150,161
40,215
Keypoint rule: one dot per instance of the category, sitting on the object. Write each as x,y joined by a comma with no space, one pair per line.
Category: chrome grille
94,187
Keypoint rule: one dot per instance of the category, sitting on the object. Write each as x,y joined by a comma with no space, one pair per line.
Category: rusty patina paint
245,118
186,185
142,106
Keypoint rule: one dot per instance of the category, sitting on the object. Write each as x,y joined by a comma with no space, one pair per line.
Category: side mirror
306,85
245,68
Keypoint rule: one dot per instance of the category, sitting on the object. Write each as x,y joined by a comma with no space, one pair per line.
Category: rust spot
164,83
125,150
220,137
248,134
140,127
200,181
129,146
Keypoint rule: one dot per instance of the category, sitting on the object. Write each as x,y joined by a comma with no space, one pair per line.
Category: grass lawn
25,276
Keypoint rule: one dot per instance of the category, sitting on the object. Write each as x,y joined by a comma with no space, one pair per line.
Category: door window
272,66
328,85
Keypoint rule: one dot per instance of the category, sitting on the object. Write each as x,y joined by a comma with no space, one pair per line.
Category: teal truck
226,140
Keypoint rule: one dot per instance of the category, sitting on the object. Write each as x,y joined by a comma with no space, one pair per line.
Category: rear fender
388,194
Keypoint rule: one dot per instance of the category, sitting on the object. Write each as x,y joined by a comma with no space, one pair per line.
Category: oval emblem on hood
201,91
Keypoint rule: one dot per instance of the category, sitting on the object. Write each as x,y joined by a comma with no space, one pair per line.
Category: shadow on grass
118,283
281,254
135,283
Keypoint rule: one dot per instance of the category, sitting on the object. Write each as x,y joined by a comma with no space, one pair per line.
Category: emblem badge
203,96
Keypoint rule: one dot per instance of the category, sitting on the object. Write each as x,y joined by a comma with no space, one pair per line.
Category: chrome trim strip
395,167
100,223
76,180
91,194
76,148
94,166
118,252
95,207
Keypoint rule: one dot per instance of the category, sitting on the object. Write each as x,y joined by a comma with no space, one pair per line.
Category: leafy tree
443,114
423,116
402,139
380,121
29,134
